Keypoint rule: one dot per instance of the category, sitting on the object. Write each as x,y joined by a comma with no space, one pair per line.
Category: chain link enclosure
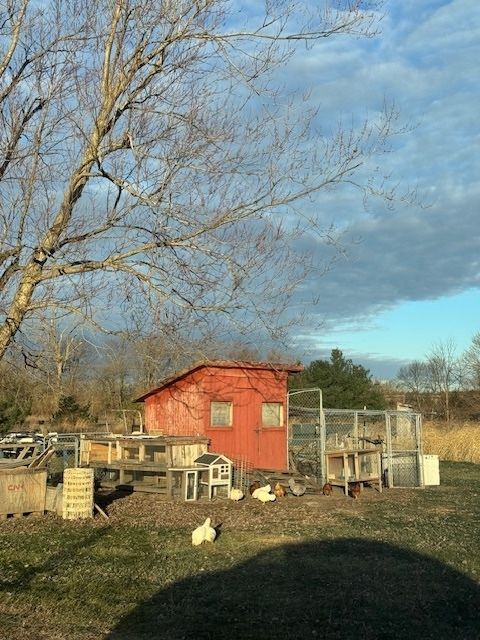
313,431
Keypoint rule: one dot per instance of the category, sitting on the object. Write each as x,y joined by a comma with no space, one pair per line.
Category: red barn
240,406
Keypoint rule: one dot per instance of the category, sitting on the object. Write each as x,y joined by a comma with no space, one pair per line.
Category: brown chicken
355,489
327,489
280,491
255,485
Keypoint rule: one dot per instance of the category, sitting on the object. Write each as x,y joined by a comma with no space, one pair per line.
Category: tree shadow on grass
337,590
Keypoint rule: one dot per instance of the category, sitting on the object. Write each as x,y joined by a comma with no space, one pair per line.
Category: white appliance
431,470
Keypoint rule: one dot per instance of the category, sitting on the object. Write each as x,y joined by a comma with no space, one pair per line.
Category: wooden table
351,462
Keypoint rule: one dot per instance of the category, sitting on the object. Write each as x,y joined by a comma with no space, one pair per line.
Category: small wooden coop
140,463
241,407
361,466
210,476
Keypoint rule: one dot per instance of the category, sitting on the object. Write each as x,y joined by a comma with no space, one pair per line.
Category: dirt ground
247,514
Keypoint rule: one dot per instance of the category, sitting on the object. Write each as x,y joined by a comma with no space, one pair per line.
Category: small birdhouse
215,472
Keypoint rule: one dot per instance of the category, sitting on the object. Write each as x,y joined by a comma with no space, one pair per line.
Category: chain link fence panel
66,448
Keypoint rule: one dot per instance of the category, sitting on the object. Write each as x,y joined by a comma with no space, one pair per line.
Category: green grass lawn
402,564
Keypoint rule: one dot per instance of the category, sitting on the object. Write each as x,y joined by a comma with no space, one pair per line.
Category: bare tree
471,361
415,378
444,370
146,160
54,349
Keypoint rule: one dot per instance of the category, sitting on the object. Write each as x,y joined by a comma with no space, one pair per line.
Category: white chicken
266,489
205,533
264,496
236,494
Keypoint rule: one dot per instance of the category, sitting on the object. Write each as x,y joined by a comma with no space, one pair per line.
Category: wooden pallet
32,514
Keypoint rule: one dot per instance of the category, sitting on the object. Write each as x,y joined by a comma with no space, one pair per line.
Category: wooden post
379,469
356,465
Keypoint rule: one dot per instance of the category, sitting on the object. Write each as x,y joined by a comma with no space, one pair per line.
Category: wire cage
77,494
315,431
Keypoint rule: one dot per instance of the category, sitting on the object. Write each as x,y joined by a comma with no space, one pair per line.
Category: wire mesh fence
314,431
66,448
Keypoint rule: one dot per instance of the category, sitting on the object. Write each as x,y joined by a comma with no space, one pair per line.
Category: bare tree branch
138,165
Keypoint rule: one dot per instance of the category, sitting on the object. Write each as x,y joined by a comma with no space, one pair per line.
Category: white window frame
212,409
280,416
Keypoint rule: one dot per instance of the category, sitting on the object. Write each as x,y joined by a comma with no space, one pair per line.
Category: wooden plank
130,465
43,459
100,511
24,452
356,465
135,487
84,452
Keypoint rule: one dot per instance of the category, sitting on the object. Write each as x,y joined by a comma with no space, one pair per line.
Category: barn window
221,414
272,414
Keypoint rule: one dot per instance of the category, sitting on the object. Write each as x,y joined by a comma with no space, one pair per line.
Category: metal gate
306,433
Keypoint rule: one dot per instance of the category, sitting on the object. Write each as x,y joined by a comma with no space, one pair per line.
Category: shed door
271,436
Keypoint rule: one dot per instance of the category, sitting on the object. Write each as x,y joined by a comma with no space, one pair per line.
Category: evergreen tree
344,385
69,410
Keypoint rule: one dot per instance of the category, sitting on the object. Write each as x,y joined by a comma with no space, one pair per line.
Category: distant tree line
444,384
73,380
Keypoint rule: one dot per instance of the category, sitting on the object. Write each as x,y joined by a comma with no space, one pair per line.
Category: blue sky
411,276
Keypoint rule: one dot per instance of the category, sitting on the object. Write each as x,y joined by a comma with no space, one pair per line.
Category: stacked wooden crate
22,492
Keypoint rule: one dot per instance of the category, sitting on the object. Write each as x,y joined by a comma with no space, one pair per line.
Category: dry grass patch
459,442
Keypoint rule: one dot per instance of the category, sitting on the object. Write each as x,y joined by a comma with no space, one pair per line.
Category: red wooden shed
240,406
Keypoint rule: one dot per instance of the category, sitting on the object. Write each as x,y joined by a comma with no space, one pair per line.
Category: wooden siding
175,409
183,408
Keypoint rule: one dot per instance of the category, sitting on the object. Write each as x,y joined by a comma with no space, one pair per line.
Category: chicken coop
320,437
210,476
241,407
